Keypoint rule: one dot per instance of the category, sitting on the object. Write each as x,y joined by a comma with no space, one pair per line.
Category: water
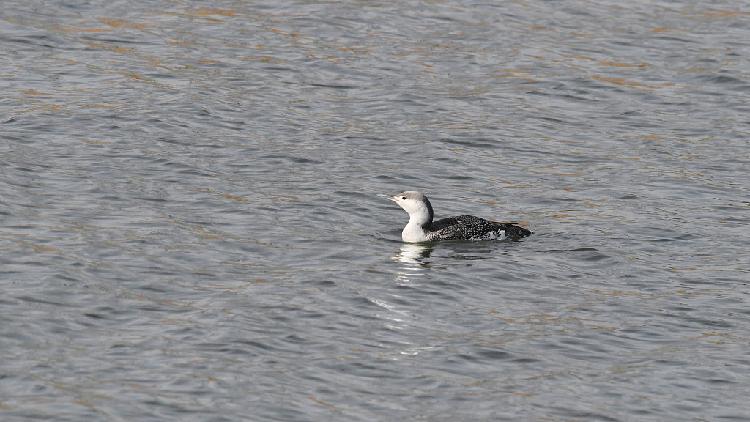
190,226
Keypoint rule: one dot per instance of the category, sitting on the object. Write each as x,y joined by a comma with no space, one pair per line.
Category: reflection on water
414,253
414,261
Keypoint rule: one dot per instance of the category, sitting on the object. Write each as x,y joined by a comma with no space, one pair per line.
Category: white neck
420,216
414,231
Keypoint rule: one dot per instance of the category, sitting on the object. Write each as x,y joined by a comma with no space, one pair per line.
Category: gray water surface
190,226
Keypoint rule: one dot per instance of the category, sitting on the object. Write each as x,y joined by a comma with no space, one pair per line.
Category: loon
421,228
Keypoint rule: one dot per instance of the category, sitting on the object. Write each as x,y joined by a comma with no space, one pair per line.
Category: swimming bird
421,228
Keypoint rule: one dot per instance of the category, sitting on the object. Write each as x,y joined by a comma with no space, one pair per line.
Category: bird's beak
388,197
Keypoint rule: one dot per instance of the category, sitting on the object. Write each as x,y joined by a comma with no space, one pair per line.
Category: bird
422,228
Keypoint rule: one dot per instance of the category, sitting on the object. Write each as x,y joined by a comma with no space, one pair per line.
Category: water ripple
190,225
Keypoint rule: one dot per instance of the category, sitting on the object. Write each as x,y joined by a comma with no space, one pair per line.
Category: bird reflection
414,260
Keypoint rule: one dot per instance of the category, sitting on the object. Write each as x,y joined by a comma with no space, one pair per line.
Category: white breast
413,233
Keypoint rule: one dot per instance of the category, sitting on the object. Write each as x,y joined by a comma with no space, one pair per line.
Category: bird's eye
403,197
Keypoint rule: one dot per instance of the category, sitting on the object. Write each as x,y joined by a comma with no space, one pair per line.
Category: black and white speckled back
469,227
